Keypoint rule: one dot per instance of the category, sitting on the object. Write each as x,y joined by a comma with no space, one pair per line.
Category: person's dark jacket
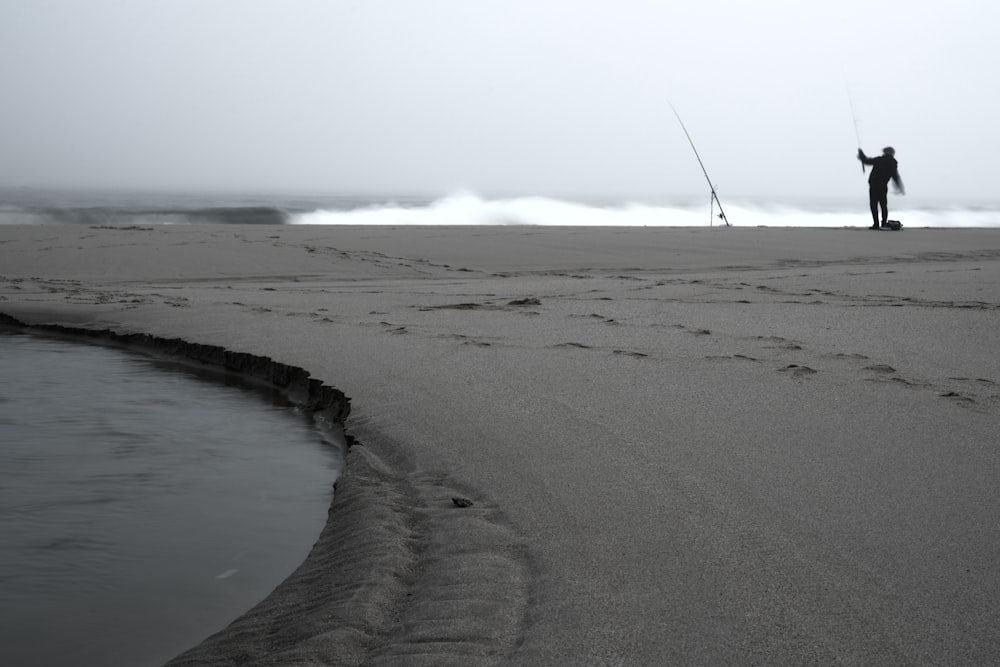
884,169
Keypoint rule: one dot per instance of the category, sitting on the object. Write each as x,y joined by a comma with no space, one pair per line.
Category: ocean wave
119,216
468,209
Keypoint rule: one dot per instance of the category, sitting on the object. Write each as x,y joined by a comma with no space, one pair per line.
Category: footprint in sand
881,368
908,383
465,340
726,357
454,306
393,329
595,316
778,343
693,332
468,305
982,381
796,370
958,398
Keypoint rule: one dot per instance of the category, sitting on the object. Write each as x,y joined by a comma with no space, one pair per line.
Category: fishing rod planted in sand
715,198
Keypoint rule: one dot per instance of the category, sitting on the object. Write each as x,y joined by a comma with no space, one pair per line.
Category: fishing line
715,198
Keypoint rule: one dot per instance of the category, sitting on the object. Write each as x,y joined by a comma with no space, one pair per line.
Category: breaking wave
469,209
473,210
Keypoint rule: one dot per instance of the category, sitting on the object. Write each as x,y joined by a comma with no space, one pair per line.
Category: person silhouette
884,169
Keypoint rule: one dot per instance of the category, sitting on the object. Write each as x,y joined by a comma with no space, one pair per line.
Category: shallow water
142,508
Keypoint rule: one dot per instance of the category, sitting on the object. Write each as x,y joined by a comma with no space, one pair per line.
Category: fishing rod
715,198
854,117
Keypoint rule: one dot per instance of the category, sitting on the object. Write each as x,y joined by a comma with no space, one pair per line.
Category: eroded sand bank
689,446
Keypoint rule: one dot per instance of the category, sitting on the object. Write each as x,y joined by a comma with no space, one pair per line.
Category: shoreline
351,591
683,445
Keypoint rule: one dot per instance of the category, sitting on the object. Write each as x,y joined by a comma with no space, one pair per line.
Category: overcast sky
501,97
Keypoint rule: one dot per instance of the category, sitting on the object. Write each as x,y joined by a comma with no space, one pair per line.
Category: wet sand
681,446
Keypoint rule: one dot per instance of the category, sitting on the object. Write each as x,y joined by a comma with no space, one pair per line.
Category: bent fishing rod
715,197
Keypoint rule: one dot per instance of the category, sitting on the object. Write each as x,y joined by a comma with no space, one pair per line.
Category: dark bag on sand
894,225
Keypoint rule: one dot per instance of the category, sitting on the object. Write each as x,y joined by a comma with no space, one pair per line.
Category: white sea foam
466,208
470,209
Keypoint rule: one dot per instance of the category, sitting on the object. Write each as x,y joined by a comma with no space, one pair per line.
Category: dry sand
683,446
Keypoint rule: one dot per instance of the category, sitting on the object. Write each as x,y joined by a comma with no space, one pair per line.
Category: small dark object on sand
462,502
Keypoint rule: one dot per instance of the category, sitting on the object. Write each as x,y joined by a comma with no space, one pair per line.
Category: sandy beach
682,446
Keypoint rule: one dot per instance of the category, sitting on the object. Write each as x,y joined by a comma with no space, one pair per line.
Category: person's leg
873,199
883,203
